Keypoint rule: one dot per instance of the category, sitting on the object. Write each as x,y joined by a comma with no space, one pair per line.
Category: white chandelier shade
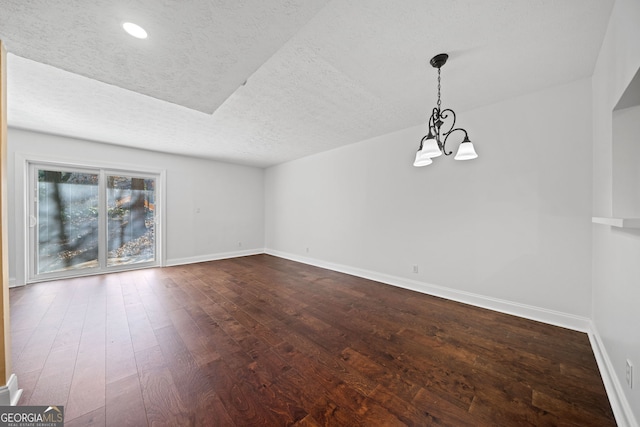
466,151
421,160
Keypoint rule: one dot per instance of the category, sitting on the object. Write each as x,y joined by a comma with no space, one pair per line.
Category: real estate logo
31,416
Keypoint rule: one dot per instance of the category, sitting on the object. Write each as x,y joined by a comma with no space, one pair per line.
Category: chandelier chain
438,89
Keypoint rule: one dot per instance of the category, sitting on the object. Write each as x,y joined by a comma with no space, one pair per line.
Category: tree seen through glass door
67,221
85,220
131,220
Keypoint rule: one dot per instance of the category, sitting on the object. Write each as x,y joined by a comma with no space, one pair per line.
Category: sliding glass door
66,221
86,221
131,221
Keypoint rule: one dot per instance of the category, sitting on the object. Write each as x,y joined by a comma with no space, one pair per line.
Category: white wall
616,252
230,197
513,225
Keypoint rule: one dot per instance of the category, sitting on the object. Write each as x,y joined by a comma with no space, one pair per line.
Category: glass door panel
67,220
131,220
85,220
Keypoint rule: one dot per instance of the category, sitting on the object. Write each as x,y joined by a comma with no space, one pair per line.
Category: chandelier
441,126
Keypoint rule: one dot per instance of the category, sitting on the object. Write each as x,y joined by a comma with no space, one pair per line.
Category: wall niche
626,152
625,203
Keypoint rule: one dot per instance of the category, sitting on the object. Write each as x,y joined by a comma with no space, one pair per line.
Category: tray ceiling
260,83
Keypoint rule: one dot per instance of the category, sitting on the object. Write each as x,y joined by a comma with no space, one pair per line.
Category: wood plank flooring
262,341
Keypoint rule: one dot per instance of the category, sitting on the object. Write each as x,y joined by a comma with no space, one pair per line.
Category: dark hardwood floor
262,341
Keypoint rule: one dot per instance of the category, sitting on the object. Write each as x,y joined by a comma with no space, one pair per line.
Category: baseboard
213,257
552,317
10,393
619,403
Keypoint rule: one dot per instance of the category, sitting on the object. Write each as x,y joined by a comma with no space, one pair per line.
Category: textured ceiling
320,74
198,52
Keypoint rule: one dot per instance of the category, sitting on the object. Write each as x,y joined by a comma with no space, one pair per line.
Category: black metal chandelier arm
433,118
424,138
444,114
446,137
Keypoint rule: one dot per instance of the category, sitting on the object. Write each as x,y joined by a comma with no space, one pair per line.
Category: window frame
32,164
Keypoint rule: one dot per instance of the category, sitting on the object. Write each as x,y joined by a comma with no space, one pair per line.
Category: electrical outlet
239,244
415,268
307,250
629,373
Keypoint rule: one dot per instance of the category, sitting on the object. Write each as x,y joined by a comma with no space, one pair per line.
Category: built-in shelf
617,222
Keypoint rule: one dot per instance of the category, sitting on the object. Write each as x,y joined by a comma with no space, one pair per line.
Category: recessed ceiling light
135,30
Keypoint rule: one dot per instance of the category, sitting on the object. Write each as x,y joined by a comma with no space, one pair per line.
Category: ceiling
263,82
